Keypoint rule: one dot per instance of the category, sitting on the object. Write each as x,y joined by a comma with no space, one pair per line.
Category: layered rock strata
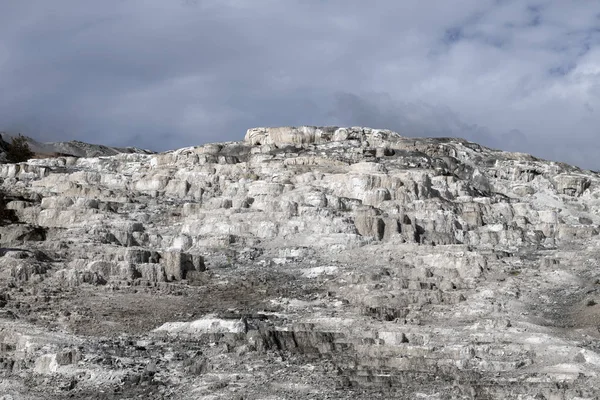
301,263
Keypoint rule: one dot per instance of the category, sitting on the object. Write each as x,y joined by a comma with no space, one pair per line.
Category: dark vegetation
18,150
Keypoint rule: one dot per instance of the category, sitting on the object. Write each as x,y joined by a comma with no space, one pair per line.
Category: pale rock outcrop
298,261
177,264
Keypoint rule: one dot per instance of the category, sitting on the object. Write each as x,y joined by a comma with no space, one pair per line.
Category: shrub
18,150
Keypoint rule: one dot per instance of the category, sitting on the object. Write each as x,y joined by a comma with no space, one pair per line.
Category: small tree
18,150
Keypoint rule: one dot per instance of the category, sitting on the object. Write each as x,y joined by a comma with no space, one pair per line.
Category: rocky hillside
340,263
74,148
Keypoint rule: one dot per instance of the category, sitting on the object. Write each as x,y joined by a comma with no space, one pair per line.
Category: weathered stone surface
178,264
306,262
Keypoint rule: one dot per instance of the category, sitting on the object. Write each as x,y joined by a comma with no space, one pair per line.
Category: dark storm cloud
516,75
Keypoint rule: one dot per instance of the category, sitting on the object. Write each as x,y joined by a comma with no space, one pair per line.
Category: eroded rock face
340,262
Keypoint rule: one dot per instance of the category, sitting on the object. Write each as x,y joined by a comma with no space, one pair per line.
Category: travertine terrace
301,263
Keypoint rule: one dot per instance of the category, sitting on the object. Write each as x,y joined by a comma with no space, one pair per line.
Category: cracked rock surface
340,263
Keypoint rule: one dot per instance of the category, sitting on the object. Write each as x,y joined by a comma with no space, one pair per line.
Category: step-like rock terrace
301,263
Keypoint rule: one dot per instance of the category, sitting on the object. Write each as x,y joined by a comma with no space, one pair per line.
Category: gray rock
301,262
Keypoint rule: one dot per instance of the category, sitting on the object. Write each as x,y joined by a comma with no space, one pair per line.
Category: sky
518,75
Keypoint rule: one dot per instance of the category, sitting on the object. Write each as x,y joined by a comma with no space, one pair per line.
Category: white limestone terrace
318,135
382,261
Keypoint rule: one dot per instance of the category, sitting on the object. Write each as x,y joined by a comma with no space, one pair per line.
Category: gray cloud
516,75
418,119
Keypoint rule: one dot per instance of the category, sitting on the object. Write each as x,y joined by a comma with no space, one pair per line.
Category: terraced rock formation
341,263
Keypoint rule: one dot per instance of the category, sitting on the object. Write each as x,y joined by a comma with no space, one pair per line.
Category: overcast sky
516,75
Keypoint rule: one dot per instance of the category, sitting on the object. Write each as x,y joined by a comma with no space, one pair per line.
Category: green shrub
18,150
